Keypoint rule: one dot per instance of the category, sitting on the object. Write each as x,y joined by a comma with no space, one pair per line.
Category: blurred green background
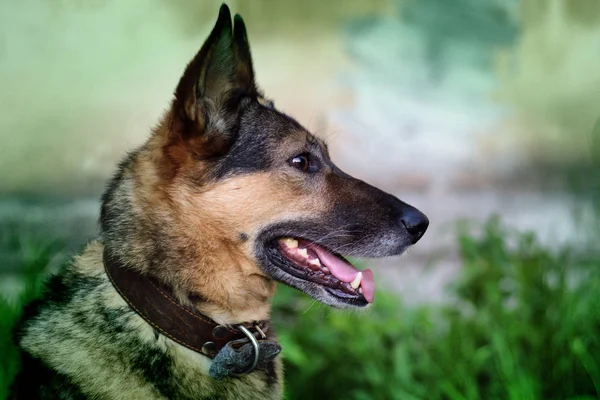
482,113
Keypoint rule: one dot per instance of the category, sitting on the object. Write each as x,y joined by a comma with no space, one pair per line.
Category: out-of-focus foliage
34,256
525,325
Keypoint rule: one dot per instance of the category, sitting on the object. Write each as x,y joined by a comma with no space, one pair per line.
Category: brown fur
240,290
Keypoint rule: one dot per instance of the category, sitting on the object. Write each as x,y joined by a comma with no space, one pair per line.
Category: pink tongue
368,285
345,272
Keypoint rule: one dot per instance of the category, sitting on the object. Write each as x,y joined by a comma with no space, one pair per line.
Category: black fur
49,384
260,131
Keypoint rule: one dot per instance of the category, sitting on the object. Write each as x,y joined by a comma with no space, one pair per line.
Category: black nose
415,222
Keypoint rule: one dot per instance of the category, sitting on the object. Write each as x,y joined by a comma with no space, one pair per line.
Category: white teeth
315,261
356,282
360,290
303,253
290,243
325,269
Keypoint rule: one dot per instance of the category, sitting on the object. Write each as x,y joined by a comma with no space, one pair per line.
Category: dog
227,198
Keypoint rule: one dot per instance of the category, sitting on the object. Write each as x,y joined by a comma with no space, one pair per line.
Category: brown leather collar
156,304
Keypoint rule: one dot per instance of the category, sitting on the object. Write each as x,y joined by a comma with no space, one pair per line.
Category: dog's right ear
212,88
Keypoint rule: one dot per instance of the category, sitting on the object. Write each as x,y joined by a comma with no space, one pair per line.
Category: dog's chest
194,383
89,334
110,352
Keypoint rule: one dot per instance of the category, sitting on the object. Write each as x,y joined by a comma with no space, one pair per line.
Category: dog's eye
306,162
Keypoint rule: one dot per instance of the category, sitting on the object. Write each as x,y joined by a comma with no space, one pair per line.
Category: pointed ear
244,70
213,86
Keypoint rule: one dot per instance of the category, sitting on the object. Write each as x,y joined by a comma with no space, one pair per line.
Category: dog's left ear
215,84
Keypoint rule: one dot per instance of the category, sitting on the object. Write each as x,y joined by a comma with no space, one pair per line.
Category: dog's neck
210,288
142,226
156,304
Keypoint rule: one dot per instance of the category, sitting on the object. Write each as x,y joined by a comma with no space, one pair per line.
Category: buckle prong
262,334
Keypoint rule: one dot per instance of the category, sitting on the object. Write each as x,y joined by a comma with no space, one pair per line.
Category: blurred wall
84,81
550,81
489,86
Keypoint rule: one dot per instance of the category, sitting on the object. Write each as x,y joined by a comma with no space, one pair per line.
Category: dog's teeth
360,290
356,282
325,269
303,253
291,243
315,261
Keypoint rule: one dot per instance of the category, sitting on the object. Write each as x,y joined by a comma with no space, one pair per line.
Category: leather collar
156,304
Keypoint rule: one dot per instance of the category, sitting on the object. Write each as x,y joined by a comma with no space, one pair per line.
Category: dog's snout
415,222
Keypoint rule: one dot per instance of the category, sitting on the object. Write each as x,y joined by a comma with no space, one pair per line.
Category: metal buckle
254,344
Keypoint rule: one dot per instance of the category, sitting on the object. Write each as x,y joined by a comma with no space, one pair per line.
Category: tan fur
205,223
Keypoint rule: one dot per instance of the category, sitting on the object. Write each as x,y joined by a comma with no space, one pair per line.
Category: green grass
524,323
35,256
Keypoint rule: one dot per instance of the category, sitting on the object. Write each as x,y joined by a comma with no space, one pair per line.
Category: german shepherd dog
227,197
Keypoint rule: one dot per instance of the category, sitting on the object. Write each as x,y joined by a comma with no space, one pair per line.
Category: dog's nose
415,222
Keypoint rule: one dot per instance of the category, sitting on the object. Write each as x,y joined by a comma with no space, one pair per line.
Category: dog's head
232,181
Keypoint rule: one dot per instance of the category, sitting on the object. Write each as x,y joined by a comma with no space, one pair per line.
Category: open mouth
311,262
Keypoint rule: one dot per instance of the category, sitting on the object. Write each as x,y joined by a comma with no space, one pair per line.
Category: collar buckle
254,342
